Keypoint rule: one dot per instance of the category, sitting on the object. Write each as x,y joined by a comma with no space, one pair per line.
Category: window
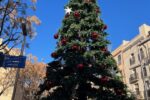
147,84
138,56
133,74
132,59
144,71
149,52
148,87
148,93
137,91
119,59
142,53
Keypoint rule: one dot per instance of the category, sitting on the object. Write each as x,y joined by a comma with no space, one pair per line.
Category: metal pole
18,70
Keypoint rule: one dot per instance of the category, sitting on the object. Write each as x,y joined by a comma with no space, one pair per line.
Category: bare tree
7,80
32,76
15,21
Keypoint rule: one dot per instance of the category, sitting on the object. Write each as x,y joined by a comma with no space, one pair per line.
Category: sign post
16,85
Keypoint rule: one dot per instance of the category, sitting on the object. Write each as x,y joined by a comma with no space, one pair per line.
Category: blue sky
123,18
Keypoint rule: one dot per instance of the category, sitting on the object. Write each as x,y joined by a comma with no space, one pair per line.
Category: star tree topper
68,10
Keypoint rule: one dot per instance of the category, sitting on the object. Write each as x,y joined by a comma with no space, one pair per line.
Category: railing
133,78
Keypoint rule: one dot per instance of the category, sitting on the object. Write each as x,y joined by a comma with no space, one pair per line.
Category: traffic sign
1,59
8,61
14,61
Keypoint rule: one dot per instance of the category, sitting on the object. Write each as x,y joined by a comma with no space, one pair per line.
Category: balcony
133,78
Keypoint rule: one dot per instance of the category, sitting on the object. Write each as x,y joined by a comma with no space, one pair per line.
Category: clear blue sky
123,18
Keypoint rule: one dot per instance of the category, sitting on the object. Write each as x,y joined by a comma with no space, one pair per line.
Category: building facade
5,82
133,59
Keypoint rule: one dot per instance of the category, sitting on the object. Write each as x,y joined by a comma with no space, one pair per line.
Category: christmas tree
83,68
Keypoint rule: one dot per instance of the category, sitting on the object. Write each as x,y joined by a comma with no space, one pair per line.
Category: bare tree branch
12,48
3,20
12,15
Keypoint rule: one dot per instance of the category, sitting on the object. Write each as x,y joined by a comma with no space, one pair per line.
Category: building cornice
144,41
133,42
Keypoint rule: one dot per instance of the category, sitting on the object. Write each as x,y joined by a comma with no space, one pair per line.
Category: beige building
133,59
3,79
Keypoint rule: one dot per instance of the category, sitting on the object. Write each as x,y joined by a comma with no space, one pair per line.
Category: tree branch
12,47
3,20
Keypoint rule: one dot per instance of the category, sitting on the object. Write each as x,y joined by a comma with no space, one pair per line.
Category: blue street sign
12,61
1,59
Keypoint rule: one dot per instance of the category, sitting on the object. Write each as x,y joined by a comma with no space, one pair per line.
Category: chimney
144,30
125,42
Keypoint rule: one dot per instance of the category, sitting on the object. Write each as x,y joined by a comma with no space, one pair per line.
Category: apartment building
133,59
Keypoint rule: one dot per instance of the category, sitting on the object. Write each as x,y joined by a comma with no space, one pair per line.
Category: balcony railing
133,78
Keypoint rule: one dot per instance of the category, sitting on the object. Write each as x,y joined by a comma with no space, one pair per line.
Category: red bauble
76,14
104,49
48,85
94,35
67,15
75,47
47,74
63,42
104,79
104,27
56,36
107,53
80,66
97,10
118,91
54,55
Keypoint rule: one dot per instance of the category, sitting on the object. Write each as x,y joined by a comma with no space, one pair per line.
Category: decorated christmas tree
83,68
